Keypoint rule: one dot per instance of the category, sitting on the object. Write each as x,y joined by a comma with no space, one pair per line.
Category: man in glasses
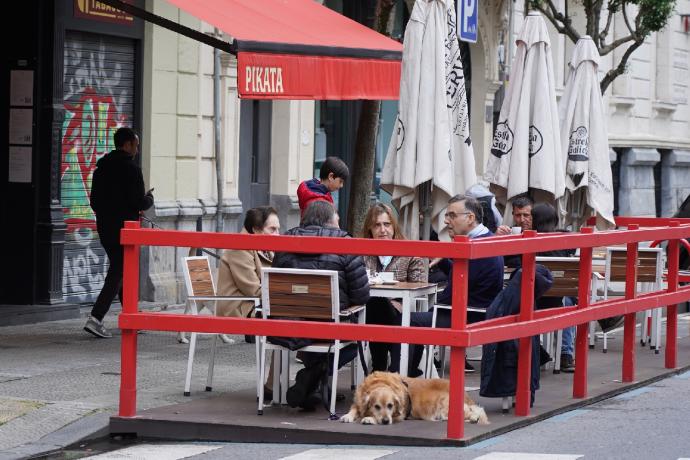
485,281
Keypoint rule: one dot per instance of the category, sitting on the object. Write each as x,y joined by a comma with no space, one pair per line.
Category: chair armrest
349,311
442,307
256,300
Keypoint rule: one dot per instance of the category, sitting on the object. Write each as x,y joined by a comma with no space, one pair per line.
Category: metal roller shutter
98,98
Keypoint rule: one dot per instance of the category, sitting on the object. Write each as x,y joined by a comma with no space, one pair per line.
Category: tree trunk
362,173
362,170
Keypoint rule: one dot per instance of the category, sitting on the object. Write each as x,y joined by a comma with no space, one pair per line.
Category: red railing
460,336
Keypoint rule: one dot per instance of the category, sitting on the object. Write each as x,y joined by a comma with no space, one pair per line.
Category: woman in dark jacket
320,219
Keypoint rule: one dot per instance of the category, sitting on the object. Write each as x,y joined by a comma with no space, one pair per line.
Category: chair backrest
566,274
649,265
197,276
298,293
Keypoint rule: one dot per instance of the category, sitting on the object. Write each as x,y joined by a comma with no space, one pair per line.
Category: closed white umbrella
584,140
526,150
431,141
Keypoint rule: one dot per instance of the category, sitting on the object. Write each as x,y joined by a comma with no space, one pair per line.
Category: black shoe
544,356
268,394
567,364
306,383
609,324
469,369
414,373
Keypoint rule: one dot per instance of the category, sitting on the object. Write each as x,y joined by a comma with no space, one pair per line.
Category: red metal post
583,296
456,409
629,328
672,310
128,364
523,392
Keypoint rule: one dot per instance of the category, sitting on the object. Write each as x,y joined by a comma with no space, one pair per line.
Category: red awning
299,49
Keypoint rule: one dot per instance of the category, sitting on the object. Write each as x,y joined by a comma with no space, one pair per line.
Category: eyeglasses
453,215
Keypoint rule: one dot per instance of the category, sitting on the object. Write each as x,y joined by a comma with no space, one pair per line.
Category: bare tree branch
605,31
559,21
618,70
606,49
627,21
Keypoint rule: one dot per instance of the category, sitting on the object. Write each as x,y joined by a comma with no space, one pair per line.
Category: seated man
463,217
320,219
522,217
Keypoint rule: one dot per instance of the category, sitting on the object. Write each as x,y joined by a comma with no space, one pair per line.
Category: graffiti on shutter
98,99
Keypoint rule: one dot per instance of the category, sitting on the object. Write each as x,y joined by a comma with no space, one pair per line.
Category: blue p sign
467,20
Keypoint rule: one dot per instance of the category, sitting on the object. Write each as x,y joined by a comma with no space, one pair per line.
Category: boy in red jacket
332,177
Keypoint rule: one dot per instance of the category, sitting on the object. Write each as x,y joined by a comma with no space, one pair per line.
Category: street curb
91,426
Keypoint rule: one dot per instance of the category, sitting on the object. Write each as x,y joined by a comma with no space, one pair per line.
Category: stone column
158,281
636,192
675,179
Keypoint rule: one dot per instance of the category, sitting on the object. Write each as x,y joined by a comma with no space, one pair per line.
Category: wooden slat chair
649,274
201,288
312,295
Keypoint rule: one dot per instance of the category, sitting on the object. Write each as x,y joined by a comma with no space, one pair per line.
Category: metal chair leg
211,364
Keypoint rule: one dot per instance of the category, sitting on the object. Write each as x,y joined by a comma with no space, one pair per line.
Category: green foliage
654,14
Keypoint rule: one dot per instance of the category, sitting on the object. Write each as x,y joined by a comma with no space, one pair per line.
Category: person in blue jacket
485,281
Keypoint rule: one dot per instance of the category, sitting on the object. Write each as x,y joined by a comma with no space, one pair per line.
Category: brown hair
370,220
257,217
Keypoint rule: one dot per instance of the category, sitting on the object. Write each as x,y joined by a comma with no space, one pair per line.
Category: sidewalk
59,384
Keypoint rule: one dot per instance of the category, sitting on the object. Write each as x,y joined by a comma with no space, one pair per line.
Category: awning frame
210,40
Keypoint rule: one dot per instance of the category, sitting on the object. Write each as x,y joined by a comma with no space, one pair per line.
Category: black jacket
352,274
499,360
117,194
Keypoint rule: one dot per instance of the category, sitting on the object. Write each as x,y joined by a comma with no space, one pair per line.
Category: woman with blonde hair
380,223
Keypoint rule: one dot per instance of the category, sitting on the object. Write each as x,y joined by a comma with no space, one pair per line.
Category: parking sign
467,20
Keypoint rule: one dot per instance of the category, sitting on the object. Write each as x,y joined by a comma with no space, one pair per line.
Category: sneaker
306,383
95,327
567,364
469,369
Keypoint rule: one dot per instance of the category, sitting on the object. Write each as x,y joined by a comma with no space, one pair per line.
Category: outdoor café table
408,292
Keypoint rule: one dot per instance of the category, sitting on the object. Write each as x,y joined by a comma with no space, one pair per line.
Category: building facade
80,69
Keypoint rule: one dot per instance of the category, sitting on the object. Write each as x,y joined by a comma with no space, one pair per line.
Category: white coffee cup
387,276
515,230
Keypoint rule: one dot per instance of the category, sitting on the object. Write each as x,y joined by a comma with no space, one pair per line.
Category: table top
403,285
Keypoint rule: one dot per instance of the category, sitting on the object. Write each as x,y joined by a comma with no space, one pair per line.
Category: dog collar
409,400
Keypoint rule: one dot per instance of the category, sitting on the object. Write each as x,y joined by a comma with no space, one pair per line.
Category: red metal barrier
460,336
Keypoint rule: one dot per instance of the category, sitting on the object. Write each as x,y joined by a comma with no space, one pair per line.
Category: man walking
117,195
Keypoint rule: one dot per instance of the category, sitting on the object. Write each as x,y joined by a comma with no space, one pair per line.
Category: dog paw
368,421
347,418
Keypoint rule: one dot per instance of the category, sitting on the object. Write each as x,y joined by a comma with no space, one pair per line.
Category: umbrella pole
425,206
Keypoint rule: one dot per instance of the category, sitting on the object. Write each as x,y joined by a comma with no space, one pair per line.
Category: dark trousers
113,280
424,319
347,354
381,311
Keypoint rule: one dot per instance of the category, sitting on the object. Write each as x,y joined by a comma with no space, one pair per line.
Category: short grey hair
471,205
319,213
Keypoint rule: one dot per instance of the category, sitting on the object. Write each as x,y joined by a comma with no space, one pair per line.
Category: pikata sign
99,11
287,76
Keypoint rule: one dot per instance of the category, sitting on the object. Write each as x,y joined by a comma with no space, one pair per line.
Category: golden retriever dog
385,398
